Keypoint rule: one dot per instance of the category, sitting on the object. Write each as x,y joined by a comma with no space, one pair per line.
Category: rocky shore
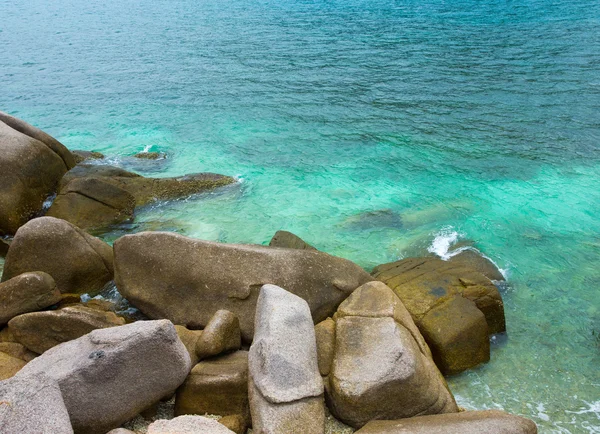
217,338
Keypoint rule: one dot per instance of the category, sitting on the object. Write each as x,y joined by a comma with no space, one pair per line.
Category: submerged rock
151,155
381,367
80,156
466,422
383,218
27,292
285,387
289,240
31,165
167,275
77,261
109,375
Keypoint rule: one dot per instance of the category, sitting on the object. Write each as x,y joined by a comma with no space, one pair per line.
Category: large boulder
188,425
33,404
381,366
290,241
91,203
77,261
285,387
186,280
30,169
40,331
109,375
146,190
27,292
466,422
216,386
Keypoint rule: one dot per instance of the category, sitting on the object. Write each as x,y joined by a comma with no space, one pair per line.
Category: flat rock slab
466,422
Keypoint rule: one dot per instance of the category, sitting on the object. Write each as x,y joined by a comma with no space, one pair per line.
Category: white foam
442,242
147,148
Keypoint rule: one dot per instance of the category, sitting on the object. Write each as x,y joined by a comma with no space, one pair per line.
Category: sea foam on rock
186,280
109,375
285,387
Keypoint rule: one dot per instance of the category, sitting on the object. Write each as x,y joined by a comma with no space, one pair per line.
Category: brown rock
189,339
120,431
466,422
471,259
15,349
27,292
235,422
9,366
80,156
166,275
4,245
91,203
188,425
216,386
325,334
78,262
289,240
221,334
6,335
40,331
382,368
150,155
457,334
421,283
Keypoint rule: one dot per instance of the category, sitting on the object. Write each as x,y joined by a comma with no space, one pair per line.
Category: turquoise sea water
437,121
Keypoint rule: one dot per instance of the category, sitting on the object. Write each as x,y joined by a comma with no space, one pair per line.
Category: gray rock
188,425
77,261
120,431
27,292
382,368
285,387
166,275
221,334
33,404
466,422
109,375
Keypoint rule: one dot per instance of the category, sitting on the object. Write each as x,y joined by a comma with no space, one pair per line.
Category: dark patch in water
383,218
438,292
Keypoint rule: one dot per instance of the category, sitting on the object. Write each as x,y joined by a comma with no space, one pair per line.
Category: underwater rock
466,422
77,261
188,425
27,292
381,367
285,387
109,375
187,280
216,386
80,156
91,203
40,331
150,155
383,218
31,165
289,240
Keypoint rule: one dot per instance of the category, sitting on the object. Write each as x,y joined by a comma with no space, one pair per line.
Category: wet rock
33,404
471,259
27,292
77,261
91,203
221,334
325,335
109,375
189,339
422,283
167,275
289,240
188,425
9,366
216,386
80,156
466,422
146,190
285,387
151,155
235,423
457,334
31,165
382,368
40,331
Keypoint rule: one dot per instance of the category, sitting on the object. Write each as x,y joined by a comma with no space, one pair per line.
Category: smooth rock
27,292
32,404
466,422
474,260
77,261
80,156
457,334
150,155
167,275
235,422
109,375
325,335
216,386
91,203
40,331
9,365
17,350
421,283
285,386
29,172
290,241
188,425
382,368
189,339
221,334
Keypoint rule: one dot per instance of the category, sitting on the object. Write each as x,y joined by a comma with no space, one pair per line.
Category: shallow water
434,120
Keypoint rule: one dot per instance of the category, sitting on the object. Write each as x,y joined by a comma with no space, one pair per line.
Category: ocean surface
374,129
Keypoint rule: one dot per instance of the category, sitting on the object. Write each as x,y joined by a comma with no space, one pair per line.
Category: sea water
374,129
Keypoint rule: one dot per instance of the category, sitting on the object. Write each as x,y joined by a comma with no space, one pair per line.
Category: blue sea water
374,129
